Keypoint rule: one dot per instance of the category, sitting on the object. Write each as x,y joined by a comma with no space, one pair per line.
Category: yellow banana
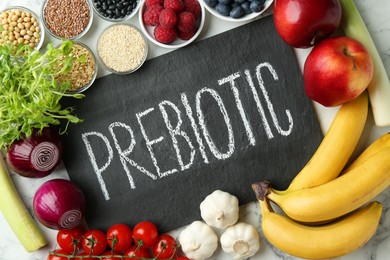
318,242
339,196
380,143
336,148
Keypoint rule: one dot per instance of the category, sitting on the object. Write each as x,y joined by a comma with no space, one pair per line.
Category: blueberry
256,6
237,12
225,2
246,7
223,9
211,3
240,1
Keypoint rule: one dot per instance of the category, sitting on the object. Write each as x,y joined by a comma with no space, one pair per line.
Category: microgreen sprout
29,94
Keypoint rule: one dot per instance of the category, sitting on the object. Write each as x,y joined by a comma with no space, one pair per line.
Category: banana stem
16,214
261,189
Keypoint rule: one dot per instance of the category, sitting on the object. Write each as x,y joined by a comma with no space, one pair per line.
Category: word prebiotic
196,137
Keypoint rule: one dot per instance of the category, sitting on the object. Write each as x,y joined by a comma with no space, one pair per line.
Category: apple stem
346,53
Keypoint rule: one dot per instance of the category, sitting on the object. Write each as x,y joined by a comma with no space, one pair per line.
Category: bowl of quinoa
21,26
67,19
84,69
122,48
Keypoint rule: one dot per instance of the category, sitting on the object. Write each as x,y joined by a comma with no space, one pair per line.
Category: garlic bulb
198,241
220,209
240,241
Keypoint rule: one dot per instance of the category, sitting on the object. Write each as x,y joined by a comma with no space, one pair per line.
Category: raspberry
185,35
193,7
167,18
185,21
175,5
151,15
149,3
164,35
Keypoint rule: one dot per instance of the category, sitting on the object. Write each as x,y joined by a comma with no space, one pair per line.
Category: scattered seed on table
121,48
67,18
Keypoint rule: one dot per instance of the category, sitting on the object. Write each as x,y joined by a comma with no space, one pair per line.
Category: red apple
337,70
303,23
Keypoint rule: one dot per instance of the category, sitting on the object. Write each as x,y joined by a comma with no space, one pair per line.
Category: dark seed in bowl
115,9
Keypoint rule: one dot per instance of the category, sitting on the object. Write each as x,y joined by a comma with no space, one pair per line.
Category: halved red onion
36,156
59,204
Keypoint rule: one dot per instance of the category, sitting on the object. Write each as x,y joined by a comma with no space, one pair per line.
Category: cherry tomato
70,239
94,242
109,255
137,252
119,237
55,257
146,232
165,247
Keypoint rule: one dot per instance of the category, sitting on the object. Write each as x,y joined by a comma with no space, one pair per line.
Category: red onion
36,156
59,204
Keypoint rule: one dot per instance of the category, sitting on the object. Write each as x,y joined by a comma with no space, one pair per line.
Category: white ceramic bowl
70,38
244,18
40,23
133,13
177,43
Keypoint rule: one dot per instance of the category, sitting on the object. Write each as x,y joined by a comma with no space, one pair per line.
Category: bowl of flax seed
122,48
84,69
67,19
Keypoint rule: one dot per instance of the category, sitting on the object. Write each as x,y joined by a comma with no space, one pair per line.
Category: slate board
226,129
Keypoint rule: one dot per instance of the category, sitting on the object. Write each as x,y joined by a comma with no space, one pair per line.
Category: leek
379,87
16,214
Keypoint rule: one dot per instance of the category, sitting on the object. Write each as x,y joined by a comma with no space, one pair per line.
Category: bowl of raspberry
171,24
237,10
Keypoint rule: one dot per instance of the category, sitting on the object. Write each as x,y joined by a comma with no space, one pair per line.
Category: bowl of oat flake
67,19
84,69
122,48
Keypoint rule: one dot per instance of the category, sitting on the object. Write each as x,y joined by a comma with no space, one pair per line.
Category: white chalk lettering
213,148
176,131
98,171
123,154
269,103
150,143
194,126
248,128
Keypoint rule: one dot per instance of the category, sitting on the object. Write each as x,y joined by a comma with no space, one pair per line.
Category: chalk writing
198,128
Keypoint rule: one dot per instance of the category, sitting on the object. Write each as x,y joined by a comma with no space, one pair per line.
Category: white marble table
376,18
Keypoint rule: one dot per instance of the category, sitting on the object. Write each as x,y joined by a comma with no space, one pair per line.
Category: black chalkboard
221,113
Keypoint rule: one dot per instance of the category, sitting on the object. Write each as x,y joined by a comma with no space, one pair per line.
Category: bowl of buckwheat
20,25
67,19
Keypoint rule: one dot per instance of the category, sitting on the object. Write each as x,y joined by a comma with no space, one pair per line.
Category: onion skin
59,204
36,156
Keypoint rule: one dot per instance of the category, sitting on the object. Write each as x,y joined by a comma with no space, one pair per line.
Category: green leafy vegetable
29,93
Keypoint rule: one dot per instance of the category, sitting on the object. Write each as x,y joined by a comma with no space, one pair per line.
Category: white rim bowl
177,43
245,18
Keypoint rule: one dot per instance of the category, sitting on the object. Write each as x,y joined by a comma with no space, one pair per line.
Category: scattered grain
122,48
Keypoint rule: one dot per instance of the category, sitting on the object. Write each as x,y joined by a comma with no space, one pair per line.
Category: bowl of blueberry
116,10
237,10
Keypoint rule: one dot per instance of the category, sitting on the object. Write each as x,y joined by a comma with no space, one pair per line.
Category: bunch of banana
324,241
329,212
337,146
